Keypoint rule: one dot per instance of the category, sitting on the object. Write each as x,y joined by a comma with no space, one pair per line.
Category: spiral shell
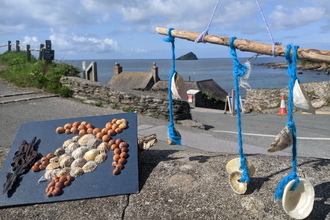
93,143
84,139
89,166
103,147
77,171
79,152
64,172
80,162
101,158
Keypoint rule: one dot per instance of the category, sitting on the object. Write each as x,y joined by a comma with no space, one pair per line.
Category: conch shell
283,140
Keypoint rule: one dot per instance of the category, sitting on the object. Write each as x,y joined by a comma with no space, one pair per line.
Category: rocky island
188,56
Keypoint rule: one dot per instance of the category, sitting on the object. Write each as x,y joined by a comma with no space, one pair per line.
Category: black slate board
98,183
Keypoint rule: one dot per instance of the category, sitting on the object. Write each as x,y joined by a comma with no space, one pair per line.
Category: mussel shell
298,203
237,186
234,164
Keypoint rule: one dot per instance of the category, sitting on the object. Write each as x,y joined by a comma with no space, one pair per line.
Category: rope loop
239,69
170,37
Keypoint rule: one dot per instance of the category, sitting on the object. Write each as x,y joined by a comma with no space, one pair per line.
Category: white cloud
33,41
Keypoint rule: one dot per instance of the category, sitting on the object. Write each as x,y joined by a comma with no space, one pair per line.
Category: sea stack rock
188,56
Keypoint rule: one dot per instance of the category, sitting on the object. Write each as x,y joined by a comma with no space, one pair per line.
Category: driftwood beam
251,46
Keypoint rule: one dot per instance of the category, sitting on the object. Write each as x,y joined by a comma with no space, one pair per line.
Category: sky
125,29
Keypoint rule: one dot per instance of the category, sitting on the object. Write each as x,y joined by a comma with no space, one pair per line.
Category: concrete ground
178,182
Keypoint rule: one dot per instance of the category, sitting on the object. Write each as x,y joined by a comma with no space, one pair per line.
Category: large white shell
298,203
103,147
178,87
77,171
89,166
93,143
79,152
283,140
237,186
64,172
101,158
234,164
69,149
84,139
80,162
91,154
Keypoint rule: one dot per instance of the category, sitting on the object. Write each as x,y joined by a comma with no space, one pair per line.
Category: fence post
28,52
40,51
84,69
233,101
17,46
9,46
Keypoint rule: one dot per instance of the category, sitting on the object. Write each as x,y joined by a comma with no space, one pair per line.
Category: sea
218,69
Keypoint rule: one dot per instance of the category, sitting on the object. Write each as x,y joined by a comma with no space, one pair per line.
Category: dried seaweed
23,159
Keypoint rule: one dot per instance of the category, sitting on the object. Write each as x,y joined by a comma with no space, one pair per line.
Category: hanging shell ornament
234,164
178,87
299,203
237,186
300,98
283,140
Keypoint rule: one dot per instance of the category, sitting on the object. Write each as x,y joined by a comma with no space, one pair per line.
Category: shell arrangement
82,153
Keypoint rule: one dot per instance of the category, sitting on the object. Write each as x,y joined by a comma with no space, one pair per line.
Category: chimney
117,69
154,71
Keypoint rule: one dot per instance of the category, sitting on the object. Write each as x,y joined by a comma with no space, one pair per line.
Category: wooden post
9,46
28,52
233,101
41,51
17,46
84,69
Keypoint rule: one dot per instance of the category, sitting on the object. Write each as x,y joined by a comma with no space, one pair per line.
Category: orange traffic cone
282,108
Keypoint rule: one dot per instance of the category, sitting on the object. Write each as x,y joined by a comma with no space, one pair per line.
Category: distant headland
188,56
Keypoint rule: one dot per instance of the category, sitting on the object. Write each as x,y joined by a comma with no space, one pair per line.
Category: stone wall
263,100
126,99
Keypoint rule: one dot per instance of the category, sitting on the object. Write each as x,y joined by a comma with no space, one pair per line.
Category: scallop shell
71,147
64,172
89,166
283,140
91,154
66,161
93,143
103,147
67,143
84,139
234,164
77,171
101,158
80,162
298,203
76,138
50,173
52,166
54,160
59,151
237,186
79,152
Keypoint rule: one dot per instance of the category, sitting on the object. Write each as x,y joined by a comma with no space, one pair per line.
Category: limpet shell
101,158
59,151
66,161
80,162
283,140
89,166
67,143
54,160
84,139
71,147
50,173
237,186
234,164
77,171
91,154
79,152
103,147
93,143
52,166
76,138
64,172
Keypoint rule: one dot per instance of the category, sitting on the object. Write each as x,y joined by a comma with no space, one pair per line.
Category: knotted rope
239,71
171,130
292,73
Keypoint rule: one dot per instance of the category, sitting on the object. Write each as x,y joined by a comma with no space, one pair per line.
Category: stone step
25,96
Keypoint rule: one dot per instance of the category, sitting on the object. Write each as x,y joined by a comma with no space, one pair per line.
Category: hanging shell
103,147
234,164
80,162
71,147
90,166
237,186
283,140
298,203
91,154
178,87
67,143
52,166
66,161
93,143
64,172
76,138
300,98
59,151
79,152
77,171
101,158
84,139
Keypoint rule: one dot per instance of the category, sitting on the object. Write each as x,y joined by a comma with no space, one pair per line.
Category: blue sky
119,29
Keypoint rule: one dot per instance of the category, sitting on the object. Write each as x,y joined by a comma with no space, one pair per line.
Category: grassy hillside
36,73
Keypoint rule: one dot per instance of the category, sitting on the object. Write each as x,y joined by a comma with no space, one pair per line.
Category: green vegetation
115,106
127,110
98,104
209,97
36,73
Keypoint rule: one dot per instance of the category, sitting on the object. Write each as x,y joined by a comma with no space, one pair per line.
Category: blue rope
292,73
239,71
171,129
206,31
